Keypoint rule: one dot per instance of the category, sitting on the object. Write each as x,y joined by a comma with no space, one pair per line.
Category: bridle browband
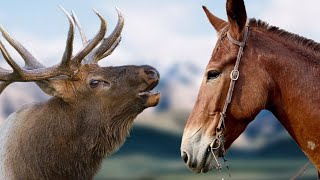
217,145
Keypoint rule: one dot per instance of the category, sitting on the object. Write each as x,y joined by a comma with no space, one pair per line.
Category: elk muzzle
151,77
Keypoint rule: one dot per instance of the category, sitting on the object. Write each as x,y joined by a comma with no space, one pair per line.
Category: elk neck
100,126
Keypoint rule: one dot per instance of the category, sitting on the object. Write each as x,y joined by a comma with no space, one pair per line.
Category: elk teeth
148,93
143,93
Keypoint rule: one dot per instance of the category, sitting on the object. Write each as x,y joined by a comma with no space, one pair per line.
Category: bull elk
89,115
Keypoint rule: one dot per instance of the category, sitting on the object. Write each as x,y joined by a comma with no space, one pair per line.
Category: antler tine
78,24
66,59
110,50
25,54
93,43
9,60
109,44
4,72
33,70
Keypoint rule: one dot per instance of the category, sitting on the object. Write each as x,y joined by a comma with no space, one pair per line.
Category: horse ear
237,17
216,22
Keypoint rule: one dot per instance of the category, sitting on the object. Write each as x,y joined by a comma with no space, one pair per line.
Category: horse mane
307,44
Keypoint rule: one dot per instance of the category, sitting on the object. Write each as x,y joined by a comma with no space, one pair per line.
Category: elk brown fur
87,119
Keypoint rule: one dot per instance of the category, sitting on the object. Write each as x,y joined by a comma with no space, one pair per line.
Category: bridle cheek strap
217,144
234,75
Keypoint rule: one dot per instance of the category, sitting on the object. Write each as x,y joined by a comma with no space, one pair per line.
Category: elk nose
152,73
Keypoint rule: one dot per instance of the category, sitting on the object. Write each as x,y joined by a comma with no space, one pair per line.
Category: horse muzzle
197,153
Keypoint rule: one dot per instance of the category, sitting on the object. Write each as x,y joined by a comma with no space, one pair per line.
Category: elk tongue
150,99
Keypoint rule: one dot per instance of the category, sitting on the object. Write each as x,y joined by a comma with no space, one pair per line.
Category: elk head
78,79
88,117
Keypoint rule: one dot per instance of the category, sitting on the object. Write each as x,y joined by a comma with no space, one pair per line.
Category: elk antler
34,70
91,44
107,45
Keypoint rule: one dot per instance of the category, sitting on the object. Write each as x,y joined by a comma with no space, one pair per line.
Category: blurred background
175,37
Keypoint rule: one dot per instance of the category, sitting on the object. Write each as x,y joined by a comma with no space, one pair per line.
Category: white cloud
159,33
160,37
295,16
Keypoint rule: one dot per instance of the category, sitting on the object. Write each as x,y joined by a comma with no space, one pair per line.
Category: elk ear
46,87
237,17
56,88
216,22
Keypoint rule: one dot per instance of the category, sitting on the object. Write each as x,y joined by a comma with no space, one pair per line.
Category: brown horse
270,69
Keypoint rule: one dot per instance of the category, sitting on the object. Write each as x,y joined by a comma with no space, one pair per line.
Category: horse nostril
152,73
184,157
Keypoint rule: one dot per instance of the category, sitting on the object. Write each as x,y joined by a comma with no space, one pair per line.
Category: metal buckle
213,149
234,75
214,142
216,146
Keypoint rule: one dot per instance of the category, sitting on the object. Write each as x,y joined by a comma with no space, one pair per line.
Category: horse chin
205,167
209,163
200,158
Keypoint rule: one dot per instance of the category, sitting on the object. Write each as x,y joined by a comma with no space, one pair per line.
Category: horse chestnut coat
279,71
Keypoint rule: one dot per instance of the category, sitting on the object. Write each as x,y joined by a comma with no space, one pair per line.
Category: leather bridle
217,146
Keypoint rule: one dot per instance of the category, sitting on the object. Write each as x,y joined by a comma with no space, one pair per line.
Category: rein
217,145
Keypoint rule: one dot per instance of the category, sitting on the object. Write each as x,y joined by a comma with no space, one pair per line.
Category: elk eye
213,74
94,83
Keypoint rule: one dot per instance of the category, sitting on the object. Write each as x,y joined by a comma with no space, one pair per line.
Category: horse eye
213,74
94,83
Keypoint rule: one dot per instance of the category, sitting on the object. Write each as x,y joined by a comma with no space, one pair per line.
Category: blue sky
159,33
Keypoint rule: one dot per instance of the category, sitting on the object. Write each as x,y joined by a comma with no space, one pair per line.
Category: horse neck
295,99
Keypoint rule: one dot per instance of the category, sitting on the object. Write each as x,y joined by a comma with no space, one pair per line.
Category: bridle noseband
217,145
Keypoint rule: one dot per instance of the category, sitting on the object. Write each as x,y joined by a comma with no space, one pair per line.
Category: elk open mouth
150,98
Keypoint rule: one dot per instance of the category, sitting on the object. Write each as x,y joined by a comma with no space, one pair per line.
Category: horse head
232,92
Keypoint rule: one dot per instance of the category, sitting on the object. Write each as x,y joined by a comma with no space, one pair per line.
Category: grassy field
147,168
